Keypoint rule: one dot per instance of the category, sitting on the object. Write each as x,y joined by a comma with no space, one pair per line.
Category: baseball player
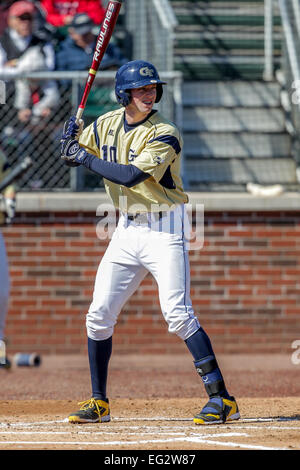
137,152
6,216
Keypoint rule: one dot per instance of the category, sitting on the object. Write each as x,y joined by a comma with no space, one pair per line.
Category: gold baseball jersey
153,145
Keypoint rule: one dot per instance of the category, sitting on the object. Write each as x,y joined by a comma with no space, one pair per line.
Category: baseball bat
106,30
16,173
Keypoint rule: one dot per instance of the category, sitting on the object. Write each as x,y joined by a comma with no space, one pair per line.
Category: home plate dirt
153,400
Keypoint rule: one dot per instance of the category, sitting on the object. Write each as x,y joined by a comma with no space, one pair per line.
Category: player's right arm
82,148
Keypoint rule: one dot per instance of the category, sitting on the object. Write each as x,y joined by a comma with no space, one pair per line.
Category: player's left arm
158,156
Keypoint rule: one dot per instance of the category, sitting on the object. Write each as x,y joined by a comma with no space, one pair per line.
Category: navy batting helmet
136,74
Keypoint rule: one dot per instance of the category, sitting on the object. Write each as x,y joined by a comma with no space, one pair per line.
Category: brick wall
245,285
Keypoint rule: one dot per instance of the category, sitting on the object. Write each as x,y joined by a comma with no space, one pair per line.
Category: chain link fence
39,135
152,23
290,78
222,62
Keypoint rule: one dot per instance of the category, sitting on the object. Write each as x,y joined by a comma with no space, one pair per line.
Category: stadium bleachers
235,127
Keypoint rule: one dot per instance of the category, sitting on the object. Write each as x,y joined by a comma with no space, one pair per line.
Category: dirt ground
153,399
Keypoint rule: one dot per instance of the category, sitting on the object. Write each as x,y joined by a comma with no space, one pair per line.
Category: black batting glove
71,152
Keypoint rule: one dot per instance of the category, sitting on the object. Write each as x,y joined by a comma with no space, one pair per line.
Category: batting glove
71,152
10,209
72,128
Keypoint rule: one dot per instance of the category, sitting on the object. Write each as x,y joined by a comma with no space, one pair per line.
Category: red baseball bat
106,30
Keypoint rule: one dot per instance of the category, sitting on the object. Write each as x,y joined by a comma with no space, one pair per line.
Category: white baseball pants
4,286
155,246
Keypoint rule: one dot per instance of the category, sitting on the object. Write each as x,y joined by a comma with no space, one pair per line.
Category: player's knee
184,328
98,334
97,329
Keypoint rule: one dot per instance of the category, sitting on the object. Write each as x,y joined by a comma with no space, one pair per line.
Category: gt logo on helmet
146,72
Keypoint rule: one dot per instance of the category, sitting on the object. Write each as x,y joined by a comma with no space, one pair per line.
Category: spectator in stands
61,12
34,99
4,7
76,51
39,22
23,50
40,25
18,37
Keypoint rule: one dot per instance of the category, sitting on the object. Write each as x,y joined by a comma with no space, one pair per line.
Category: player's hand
11,63
68,19
72,128
24,115
10,209
71,151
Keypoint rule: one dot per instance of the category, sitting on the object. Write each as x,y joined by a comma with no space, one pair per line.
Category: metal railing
151,24
289,13
39,136
290,16
289,75
268,41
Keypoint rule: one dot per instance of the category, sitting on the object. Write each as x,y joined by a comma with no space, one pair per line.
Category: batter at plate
138,153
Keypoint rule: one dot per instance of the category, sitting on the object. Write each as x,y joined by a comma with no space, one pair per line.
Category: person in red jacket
61,12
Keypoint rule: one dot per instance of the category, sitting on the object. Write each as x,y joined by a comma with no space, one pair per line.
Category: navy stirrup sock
99,353
206,365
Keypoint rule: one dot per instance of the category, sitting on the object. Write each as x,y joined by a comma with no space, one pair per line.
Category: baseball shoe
5,364
217,411
91,411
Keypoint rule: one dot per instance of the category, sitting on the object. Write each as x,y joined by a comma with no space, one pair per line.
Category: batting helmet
136,74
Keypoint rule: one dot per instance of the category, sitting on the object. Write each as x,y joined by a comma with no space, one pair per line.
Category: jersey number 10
109,153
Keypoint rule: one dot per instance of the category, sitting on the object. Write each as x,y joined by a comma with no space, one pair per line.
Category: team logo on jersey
146,72
158,159
111,132
131,155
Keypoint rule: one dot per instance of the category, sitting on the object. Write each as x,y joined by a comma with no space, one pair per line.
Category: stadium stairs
235,128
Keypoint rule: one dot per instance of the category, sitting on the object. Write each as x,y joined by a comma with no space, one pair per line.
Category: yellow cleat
91,411
218,410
